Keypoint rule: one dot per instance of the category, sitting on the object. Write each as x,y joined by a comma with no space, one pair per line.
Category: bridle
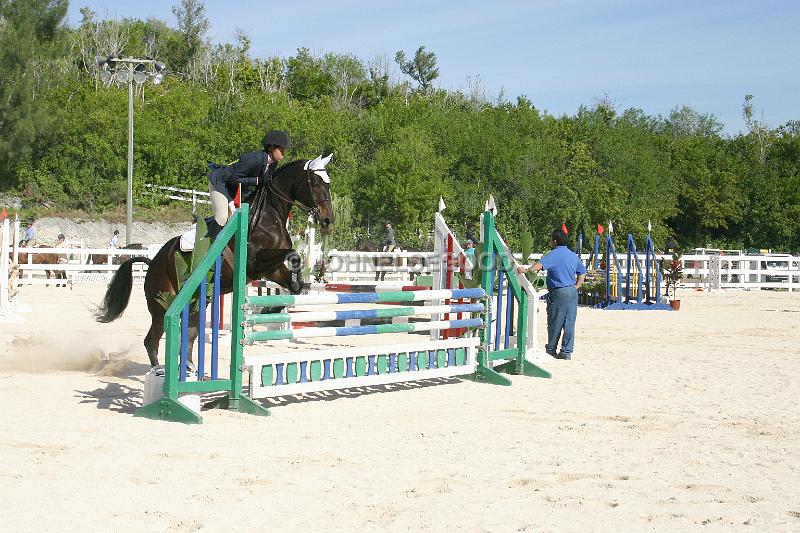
310,210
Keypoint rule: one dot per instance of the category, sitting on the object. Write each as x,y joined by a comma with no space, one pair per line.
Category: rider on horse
389,244
251,170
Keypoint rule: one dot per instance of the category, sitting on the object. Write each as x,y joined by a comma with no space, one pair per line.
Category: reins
315,210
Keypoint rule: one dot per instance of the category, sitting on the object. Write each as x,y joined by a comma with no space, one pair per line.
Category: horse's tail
119,291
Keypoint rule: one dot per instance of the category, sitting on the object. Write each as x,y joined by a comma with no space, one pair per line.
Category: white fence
73,264
749,272
184,195
708,271
363,266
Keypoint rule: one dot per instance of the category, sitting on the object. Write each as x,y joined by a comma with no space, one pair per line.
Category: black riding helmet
277,138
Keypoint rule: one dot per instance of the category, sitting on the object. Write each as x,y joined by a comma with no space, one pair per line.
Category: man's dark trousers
562,308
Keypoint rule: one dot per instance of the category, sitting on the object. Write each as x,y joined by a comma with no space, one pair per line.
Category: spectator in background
470,253
114,239
29,236
470,250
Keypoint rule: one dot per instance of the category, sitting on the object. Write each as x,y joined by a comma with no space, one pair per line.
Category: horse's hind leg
192,332
152,339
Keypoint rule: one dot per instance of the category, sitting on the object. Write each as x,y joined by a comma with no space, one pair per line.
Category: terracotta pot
675,305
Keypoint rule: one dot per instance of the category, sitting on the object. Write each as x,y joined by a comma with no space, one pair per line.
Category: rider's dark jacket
250,170
388,237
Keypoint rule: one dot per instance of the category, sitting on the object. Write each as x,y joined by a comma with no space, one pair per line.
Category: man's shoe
551,353
564,356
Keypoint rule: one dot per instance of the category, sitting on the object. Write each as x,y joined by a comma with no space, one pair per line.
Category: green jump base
526,368
484,374
242,404
170,410
174,411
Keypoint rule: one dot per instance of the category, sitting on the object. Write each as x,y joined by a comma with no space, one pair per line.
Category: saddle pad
187,239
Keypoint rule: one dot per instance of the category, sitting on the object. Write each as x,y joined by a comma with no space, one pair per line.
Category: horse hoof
270,310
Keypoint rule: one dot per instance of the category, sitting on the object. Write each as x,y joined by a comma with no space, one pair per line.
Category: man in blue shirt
565,275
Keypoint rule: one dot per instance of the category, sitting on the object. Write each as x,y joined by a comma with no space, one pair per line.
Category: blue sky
652,55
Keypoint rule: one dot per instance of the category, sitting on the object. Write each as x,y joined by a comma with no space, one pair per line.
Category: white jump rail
258,389
7,305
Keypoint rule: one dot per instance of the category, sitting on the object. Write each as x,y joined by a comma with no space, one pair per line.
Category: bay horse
44,258
303,182
363,245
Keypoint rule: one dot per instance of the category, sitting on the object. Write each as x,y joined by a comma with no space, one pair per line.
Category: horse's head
365,245
310,187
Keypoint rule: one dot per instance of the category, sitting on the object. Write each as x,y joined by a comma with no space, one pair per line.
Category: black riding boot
213,228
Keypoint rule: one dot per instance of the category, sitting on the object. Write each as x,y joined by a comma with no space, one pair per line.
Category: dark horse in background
102,259
418,263
268,246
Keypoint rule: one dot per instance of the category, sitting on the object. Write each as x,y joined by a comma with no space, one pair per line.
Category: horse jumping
302,182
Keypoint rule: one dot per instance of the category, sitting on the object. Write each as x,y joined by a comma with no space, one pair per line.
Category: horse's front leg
288,279
275,269
191,332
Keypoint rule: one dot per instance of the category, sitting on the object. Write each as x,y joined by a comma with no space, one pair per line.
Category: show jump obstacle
637,287
492,326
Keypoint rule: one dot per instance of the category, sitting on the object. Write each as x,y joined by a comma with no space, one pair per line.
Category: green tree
422,68
684,121
402,183
192,25
31,46
710,195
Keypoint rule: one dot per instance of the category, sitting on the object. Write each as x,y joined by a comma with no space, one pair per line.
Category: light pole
129,70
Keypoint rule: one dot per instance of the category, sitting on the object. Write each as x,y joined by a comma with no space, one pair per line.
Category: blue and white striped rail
330,316
285,300
384,286
250,337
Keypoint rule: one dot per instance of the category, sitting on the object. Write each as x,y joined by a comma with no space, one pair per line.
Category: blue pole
499,313
596,251
184,341
628,272
509,316
201,331
215,318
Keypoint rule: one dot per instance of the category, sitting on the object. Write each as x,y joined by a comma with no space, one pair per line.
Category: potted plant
589,290
673,274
